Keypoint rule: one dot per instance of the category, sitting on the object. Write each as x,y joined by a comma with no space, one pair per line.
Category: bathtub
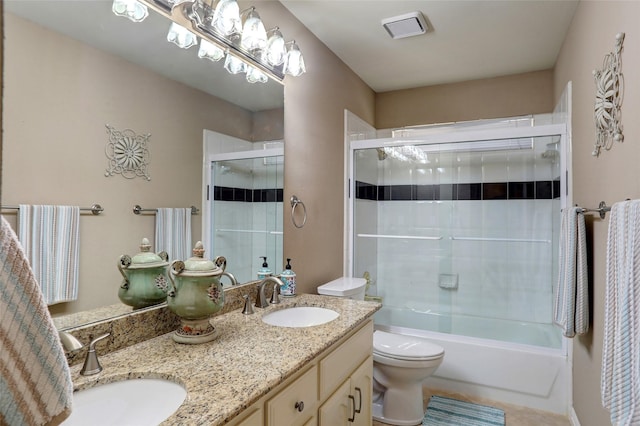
532,370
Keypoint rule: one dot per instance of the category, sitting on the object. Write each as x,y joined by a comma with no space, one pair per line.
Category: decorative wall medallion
609,93
128,153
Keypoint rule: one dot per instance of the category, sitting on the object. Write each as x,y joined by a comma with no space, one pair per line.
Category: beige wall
59,94
314,152
612,177
521,94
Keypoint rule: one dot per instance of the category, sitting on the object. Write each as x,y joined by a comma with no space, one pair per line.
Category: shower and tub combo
457,226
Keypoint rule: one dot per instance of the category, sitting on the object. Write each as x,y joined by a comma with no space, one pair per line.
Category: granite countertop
246,361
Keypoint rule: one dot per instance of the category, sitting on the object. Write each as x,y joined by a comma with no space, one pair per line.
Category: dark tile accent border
225,193
529,190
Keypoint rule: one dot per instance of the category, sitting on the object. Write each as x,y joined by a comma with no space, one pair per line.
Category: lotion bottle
288,278
264,272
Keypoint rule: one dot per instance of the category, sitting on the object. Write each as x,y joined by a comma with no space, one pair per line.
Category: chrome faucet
261,299
234,282
71,344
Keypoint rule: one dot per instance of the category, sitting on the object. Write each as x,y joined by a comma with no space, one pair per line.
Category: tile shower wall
468,202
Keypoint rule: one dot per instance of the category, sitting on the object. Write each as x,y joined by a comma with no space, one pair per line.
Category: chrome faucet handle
248,309
274,296
91,363
69,342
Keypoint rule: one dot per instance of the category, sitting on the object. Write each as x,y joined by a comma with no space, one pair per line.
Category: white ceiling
470,39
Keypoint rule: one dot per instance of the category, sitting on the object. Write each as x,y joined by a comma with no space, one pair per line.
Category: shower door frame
442,135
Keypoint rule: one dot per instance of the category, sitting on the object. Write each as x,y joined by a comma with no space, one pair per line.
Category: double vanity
256,373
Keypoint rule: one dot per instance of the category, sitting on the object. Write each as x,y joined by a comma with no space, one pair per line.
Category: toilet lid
405,347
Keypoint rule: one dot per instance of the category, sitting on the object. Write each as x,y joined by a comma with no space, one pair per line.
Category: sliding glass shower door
460,234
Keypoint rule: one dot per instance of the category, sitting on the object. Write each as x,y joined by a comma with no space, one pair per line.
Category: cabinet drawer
340,363
286,409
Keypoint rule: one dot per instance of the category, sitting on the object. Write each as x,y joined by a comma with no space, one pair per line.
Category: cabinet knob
299,406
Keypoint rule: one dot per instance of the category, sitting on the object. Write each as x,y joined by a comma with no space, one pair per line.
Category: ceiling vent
407,25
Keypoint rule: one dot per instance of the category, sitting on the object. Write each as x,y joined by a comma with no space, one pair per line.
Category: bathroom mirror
72,68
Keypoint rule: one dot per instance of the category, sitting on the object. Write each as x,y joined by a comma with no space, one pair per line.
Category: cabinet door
337,409
254,419
361,390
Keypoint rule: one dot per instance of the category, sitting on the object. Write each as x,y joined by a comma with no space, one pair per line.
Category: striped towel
50,238
35,383
173,232
620,385
571,304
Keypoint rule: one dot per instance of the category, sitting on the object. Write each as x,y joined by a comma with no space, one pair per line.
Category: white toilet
400,364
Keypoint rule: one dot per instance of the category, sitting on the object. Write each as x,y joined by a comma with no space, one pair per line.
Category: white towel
50,238
35,383
620,385
571,307
173,232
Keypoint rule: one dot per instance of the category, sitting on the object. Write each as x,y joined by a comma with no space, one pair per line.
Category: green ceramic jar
196,294
145,277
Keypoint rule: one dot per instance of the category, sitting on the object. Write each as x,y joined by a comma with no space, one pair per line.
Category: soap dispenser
264,272
288,278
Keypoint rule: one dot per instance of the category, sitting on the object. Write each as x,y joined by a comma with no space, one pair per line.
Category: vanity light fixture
222,31
254,36
181,37
276,50
210,51
294,62
234,65
132,9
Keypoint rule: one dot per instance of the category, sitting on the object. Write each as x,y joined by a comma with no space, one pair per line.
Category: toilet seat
405,348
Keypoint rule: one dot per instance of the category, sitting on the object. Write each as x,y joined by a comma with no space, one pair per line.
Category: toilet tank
347,287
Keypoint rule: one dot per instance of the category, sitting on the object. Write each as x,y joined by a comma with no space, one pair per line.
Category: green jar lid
198,266
148,259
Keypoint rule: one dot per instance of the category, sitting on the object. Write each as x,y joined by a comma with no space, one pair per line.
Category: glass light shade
181,36
254,36
132,9
254,75
226,18
294,63
234,65
210,51
275,52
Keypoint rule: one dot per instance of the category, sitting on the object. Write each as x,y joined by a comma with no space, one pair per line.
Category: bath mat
443,411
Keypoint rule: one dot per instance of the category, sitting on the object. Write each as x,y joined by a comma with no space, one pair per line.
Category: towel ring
295,201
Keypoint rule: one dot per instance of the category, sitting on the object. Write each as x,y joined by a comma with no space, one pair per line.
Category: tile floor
514,415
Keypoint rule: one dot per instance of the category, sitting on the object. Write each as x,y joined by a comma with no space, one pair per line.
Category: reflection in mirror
73,67
247,213
242,212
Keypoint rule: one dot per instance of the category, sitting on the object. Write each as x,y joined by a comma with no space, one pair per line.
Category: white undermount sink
128,402
302,316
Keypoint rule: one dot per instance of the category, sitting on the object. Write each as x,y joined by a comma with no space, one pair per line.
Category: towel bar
602,209
137,209
96,209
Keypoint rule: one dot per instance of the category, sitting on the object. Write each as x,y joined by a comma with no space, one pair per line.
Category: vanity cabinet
327,391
